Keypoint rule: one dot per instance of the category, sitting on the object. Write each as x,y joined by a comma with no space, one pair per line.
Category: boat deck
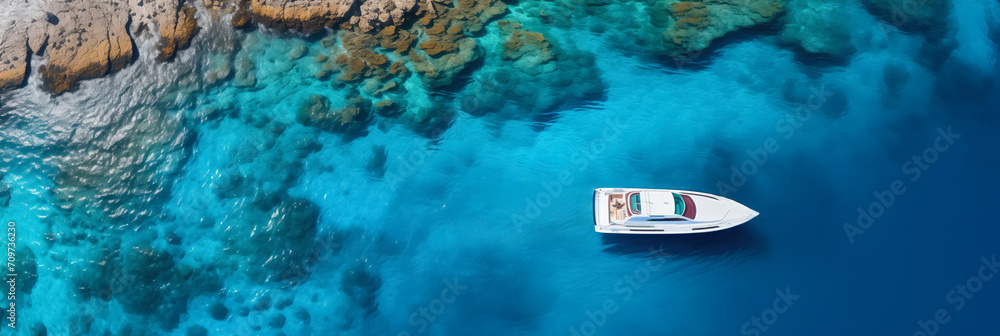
616,207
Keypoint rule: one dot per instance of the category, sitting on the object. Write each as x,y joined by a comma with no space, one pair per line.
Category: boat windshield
678,204
633,202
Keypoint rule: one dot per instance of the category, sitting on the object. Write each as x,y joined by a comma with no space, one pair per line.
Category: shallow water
484,227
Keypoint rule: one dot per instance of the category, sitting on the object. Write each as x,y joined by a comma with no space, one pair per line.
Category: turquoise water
161,201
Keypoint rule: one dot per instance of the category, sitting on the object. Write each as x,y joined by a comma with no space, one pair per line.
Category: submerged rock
430,116
80,324
38,329
449,48
361,287
351,118
197,330
386,64
927,17
696,23
246,73
441,70
527,49
4,194
146,281
219,68
361,61
376,164
27,270
264,164
471,16
121,174
91,39
276,322
302,315
537,74
817,27
297,53
896,77
218,311
140,270
388,108
660,27
273,246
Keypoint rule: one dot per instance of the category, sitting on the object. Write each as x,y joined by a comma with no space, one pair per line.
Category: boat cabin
651,206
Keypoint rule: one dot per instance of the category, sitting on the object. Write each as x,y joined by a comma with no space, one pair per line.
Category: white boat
663,211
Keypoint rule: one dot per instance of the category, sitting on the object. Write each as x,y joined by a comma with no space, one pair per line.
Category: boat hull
715,213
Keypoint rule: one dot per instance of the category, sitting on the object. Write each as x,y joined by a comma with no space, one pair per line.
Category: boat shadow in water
735,244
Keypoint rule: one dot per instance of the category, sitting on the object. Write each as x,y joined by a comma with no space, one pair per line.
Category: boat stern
601,218
597,197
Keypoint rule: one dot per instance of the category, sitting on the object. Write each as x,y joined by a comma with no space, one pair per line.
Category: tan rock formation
381,13
313,15
302,15
353,117
13,59
15,20
521,42
448,48
697,23
89,41
85,39
176,31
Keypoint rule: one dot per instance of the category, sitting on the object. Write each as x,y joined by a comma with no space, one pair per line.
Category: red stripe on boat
689,209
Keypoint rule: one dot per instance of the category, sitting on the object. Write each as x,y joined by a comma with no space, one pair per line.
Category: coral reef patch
816,27
534,73
927,17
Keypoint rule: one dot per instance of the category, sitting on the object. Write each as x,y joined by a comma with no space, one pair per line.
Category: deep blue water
486,229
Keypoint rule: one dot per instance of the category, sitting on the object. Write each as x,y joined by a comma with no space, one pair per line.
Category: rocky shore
88,39
85,39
